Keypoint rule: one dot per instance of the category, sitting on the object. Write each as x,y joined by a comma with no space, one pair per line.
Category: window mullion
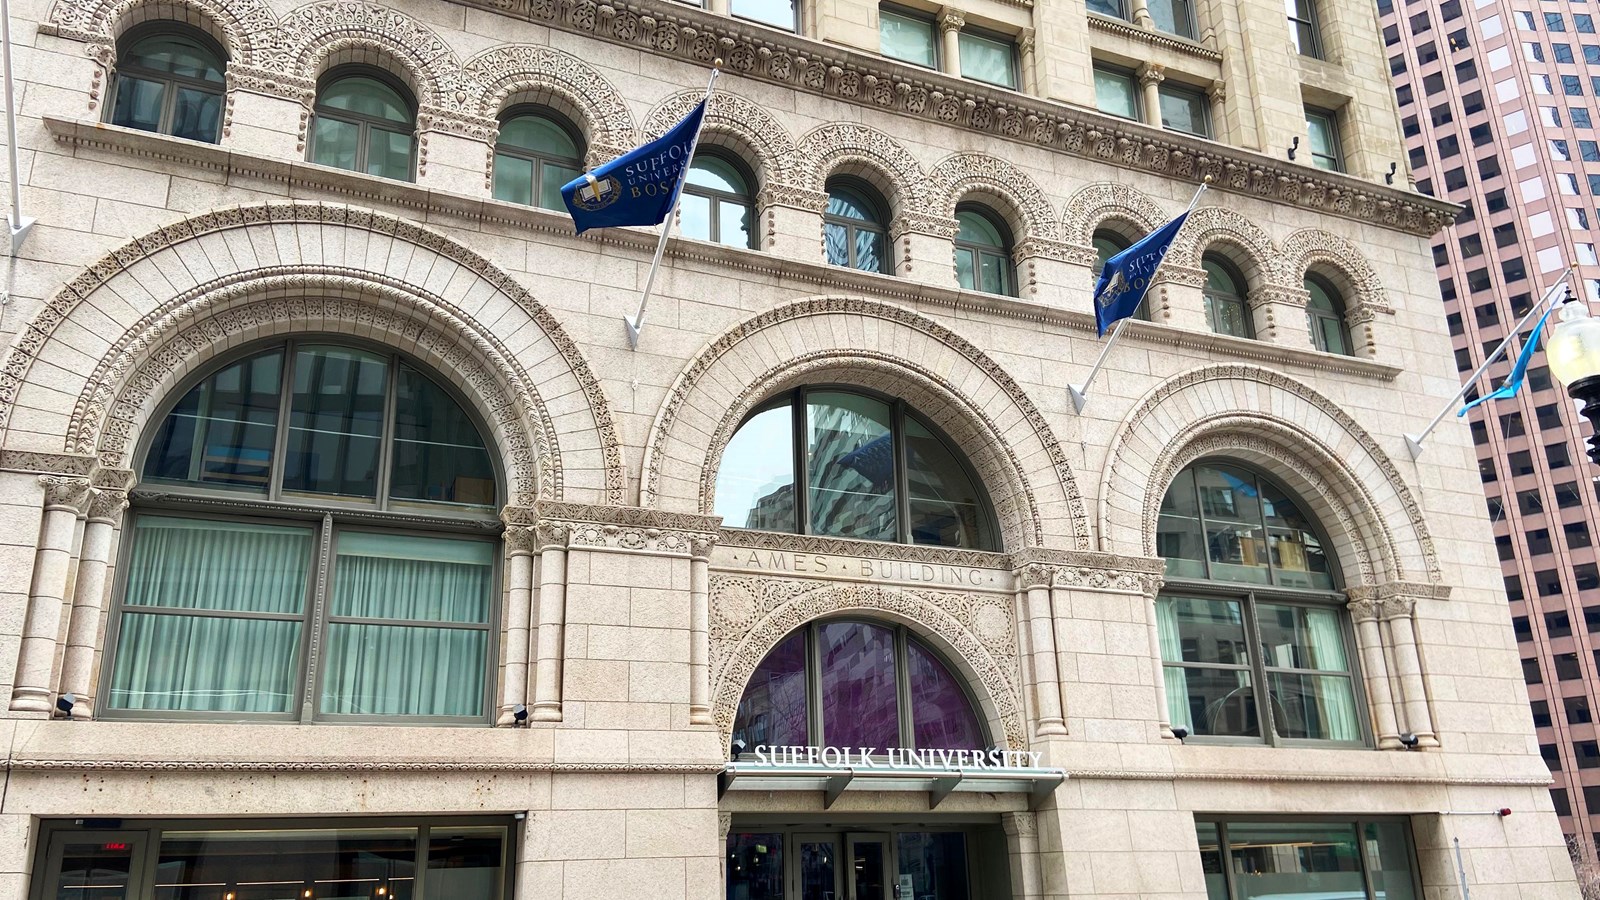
386,437
281,439
802,475
318,619
901,480
814,684
902,686
1258,666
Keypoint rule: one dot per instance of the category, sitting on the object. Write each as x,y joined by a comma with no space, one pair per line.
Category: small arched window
1254,639
1108,243
275,580
854,229
537,152
716,204
169,80
1226,311
983,252
365,122
868,468
876,686
1325,316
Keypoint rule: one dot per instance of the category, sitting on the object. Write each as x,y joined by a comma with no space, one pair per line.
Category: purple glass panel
860,707
940,712
772,712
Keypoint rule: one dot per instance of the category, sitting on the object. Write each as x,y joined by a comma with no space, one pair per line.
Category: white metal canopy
938,783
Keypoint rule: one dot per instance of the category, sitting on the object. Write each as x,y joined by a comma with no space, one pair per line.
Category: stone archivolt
860,348
496,77
752,130
141,359
976,632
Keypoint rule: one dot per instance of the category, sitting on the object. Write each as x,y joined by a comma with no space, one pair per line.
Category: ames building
350,552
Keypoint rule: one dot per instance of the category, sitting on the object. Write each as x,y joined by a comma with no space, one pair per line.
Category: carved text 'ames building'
349,551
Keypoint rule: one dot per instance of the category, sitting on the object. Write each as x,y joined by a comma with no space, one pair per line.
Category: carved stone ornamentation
749,616
964,174
739,124
311,37
499,76
66,492
1095,204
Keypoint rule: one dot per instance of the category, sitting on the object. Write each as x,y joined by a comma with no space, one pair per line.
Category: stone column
1218,94
65,498
1369,639
951,21
520,545
700,631
1150,77
1048,271
1022,846
720,7
789,222
1025,49
1035,581
1278,313
89,594
1163,708
552,621
920,246
1396,613
1139,14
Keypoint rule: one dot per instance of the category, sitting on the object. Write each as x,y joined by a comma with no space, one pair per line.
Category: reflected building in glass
352,551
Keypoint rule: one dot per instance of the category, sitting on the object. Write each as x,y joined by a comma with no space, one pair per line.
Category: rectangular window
1572,85
1212,675
1303,27
988,58
425,859
907,36
1538,541
1511,425
1541,714
1466,71
1323,128
1556,456
1577,710
1116,92
1588,754
1530,672
1525,21
1312,859
1554,22
1584,23
1586,576
1577,219
1558,624
1471,245
1184,109
1172,16
1591,54
1563,52
1495,201
1489,167
1113,8
1560,151
1576,534
1521,463
1513,588
1568,669
1548,582
1504,236
1533,51
1480,134
1568,495
777,13
404,629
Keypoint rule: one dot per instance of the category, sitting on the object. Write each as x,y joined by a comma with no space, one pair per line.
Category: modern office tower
349,550
1497,104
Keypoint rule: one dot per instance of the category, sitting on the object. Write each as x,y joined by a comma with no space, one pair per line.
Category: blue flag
1126,276
1519,369
639,187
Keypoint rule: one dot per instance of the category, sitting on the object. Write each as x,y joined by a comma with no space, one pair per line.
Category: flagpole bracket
19,230
1079,399
1414,444
633,332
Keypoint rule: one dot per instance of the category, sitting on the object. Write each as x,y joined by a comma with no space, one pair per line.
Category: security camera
738,748
519,716
1409,740
1180,732
64,704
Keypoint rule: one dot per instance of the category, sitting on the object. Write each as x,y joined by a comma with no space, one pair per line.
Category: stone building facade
350,551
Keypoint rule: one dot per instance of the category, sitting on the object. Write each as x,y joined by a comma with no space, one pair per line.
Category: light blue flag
1519,369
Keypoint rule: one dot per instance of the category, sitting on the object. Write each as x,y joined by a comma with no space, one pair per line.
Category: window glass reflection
860,699
224,431
944,505
755,484
1254,531
438,454
943,716
755,866
850,456
1304,858
772,712
777,13
935,864
336,413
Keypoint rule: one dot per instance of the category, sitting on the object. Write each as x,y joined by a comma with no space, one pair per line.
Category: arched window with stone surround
1255,640
840,462
169,80
718,202
365,121
855,227
537,152
857,683
316,547
983,251
1226,310
1325,316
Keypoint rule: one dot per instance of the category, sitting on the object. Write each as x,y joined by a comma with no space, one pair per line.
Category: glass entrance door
819,866
92,866
868,872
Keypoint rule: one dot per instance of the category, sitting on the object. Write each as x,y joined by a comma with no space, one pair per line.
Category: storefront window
870,469
877,862
1359,860
261,463
250,860
862,670
1267,663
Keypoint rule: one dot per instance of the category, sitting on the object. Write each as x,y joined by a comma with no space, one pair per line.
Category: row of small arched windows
169,80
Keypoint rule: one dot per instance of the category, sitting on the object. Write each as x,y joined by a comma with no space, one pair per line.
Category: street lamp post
1574,358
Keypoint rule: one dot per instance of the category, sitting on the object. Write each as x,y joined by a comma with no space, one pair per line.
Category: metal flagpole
1414,441
636,324
1080,393
19,223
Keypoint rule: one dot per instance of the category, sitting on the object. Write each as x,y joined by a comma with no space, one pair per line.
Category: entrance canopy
937,782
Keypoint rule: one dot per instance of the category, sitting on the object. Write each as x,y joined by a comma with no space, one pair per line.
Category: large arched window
1108,243
983,252
169,80
1325,316
537,153
1254,638
847,683
716,204
315,550
1226,311
365,122
868,468
854,229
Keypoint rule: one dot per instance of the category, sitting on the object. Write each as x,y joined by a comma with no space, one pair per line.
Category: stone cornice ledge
806,543
758,51
621,516
40,463
234,765
1159,39
98,136
1306,777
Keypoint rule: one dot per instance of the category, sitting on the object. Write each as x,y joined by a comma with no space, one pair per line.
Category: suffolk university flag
639,187
1127,276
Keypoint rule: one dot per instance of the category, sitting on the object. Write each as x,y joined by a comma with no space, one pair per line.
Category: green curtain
415,668
1172,651
231,641
1336,701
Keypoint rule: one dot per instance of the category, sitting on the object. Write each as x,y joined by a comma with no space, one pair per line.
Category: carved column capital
107,505
951,19
700,546
1363,610
552,535
1152,73
1396,607
1035,576
521,540
65,492
1218,91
